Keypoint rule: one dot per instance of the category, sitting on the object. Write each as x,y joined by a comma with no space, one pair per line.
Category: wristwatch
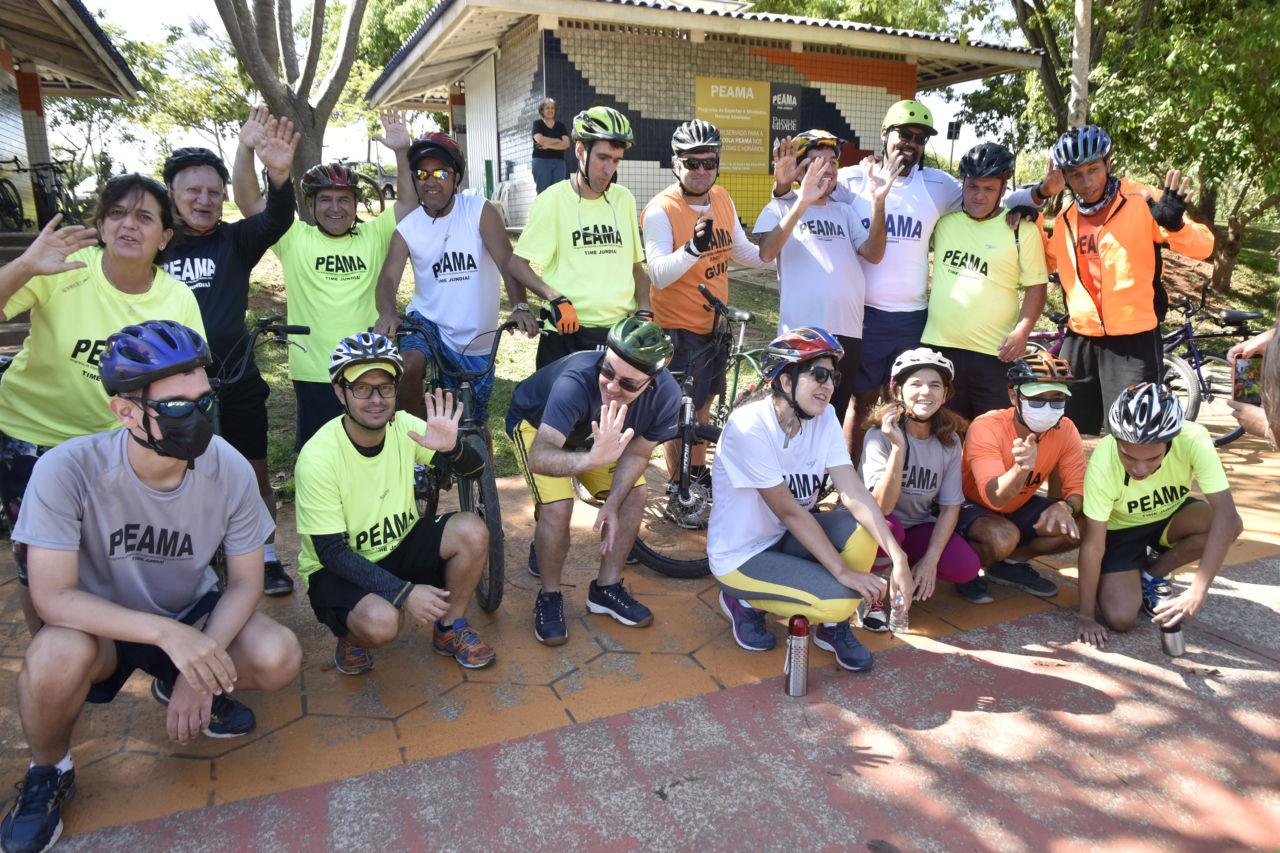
521,306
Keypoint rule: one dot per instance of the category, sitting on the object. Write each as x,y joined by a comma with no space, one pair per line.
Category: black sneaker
1022,576
227,717
1153,590
974,591
34,824
548,619
533,562
615,601
275,581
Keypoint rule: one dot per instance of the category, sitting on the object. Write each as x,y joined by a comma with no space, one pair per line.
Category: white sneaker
872,620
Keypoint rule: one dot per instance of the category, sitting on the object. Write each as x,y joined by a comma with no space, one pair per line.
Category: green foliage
388,24
924,15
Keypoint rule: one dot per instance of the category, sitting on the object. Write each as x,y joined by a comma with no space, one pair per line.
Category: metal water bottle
899,616
1172,641
796,667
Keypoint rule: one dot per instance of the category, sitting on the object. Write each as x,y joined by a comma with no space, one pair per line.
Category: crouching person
120,528
367,558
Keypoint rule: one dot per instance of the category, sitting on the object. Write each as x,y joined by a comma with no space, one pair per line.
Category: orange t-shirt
988,453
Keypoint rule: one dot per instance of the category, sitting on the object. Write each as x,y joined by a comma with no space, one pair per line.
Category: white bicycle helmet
1145,413
363,348
914,359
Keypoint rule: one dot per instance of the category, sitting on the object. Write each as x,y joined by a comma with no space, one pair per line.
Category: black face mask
184,438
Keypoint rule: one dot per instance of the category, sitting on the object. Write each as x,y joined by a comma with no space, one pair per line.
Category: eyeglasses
363,390
631,386
911,136
822,374
693,164
1040,403
178,408
438,174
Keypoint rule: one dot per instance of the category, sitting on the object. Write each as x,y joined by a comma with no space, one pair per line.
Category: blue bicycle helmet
141,354
1081,145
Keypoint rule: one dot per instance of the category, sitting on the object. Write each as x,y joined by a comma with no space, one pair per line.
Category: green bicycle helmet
641,343
909,112
602,123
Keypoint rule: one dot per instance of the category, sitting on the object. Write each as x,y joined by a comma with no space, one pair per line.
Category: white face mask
1042,419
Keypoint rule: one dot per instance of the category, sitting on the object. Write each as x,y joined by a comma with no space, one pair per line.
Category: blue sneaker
227,717
34,824
838,638
533,562
615,601
749,630
1153,589
548,619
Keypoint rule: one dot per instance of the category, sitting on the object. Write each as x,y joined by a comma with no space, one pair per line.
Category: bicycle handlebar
275,331
410,326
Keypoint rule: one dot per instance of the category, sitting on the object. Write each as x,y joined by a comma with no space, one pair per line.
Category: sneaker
463,644
838,638
34,824
974,591
548,619
275,581
872,620
615,601
533,562
1162,586
227,717
350,659
1022,576
1154,589
749,630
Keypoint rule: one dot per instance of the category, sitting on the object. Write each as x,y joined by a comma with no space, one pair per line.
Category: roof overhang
457,34
72,53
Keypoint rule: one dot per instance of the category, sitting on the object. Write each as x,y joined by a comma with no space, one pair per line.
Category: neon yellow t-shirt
978,269
52,392
1112,496
369,499
586,249
329,284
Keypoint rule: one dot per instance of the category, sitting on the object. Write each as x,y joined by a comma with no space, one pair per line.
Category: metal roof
456,34
74,56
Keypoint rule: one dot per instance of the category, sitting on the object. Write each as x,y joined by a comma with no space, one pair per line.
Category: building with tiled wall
12,141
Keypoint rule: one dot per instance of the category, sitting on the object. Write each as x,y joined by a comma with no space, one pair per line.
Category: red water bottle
796,667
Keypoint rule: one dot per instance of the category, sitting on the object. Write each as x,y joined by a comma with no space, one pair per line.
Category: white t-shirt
820,272
750,457
455,281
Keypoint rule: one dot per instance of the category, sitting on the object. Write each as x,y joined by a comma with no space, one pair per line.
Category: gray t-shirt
930,473
140,548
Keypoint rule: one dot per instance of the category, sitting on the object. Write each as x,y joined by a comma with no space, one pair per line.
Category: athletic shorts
1126,548
1105,366
243,415
708,369
1024,517
150,659
547,489
553,346
417,342
848,367
416,559
317,405
17,459
981,384
885,336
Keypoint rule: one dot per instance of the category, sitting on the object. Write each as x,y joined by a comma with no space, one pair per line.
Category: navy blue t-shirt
565,395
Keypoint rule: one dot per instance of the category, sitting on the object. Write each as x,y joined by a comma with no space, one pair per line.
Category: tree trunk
1078,106
1226,251
307,156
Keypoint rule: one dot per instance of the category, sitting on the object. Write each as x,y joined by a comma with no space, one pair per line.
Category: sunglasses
178,408
363,390
822,374
631,386
1040,403
911,136
438,174
692,164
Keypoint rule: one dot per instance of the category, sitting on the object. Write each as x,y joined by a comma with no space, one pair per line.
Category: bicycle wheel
370,195
1178,377
480,495
673,538
1214,412
1034,346
10,206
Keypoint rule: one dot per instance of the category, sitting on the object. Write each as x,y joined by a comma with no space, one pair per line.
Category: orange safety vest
1131,297
679,305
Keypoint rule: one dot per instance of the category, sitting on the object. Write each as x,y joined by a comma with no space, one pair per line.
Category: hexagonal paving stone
478,714
128,787
405,674
681,624
616,682
148,733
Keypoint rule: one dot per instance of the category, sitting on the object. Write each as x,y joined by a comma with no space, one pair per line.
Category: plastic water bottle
899,616
796,666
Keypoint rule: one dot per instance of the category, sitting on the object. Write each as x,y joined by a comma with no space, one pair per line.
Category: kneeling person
1137,502
367,558
120,528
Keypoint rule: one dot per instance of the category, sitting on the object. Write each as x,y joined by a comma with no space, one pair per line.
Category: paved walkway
983,729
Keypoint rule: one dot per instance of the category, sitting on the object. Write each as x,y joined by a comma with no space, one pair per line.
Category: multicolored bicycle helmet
909,112
439,146
695,135
364,348
329,176
914,359
798,346
1040,367
987,160
602,123
185,158
1080,145
641,343
809,140
1145,413
149,351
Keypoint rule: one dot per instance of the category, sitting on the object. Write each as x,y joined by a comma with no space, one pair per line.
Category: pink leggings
958,563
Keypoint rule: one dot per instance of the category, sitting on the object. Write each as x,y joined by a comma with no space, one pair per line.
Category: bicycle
12,216
52,194
477,494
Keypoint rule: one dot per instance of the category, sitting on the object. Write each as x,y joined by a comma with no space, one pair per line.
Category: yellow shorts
547,489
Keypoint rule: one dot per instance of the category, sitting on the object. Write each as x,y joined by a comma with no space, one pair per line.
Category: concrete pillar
31,99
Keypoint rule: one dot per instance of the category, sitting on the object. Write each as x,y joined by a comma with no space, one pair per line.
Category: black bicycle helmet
1080,145
440,146
696,135
185,158
363,348
987,160
328,176
641,343
1145,413
149,351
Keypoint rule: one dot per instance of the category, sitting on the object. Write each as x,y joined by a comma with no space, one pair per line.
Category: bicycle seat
1058,318
738,315
1237,318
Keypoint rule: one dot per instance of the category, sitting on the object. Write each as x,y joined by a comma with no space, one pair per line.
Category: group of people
121,493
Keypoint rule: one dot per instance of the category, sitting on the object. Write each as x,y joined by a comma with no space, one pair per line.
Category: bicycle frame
465,392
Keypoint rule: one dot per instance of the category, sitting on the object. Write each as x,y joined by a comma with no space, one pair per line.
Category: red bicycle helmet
329,176
798,346
440,146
